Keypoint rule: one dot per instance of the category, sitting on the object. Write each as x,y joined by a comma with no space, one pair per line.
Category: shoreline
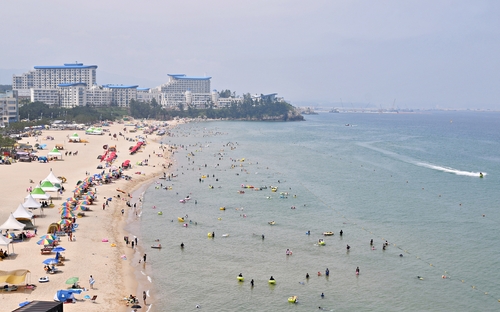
115,278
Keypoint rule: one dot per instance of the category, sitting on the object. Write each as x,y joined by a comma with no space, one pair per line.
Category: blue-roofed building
49,77
178,86
72,94
122,94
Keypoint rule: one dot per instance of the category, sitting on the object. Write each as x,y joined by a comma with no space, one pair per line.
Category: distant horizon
424,53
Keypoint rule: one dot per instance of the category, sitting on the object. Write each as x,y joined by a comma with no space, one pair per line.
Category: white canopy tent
55,153
22,213
31,203
38,193
12,224
52,178
74,138
4,241
48,186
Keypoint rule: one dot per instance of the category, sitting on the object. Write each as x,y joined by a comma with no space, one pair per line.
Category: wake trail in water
450,170
422,164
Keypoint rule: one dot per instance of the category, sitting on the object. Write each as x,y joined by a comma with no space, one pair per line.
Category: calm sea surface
410,179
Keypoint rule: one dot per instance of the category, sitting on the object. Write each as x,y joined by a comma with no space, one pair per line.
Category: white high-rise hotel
75,84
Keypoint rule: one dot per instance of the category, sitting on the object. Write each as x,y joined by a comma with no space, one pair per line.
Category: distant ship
334,111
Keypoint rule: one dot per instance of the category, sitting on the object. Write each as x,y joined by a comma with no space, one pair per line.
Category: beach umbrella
45,241
87,197
48,236
64,222
68,204
72,280
59,249
67,214
78,209
85,202
71,199
50,261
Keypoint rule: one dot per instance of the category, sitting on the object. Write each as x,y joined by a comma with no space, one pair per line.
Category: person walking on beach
91,282
144,257
144,297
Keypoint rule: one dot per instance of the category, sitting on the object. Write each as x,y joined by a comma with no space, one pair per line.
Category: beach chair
93,298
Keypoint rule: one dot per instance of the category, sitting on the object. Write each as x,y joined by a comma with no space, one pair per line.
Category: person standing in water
357,270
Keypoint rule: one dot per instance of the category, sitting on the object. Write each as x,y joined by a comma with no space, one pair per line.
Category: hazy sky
424,54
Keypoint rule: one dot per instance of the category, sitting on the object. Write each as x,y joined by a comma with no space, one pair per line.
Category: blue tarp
63,295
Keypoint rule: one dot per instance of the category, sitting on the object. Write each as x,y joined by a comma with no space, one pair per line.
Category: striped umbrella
65,222
45,241
68,204
79,208
48,236
85,202
67,214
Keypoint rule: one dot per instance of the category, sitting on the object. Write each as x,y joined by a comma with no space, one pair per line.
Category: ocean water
409,179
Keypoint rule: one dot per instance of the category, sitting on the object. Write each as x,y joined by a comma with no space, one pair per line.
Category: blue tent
63,295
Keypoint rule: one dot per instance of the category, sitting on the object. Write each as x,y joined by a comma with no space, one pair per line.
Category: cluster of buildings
75,84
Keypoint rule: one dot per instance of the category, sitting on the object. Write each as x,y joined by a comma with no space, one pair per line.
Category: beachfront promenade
98,246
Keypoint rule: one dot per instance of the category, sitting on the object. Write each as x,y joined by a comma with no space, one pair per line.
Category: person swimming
182,245
357,270
322,295
271,278
251,282
307,275
327,272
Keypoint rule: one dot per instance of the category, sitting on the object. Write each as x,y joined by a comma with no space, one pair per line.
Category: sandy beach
87,254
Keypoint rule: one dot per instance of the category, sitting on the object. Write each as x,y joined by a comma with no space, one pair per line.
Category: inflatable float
43,279
321,242
240,278
272,282
271,222
156,246
222,208
292,299
328,233
209,234
160,213
180,219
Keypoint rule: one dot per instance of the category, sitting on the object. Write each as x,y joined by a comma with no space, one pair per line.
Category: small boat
180,219
292,299
328,233
271,222
156,246
225,235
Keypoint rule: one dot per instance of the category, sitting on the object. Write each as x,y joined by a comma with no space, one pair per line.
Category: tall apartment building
9,107
121,95
49,77
72,94
175,90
